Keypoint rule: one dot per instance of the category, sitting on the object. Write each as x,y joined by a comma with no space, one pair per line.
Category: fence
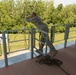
36,39
20,41
32,38
66,35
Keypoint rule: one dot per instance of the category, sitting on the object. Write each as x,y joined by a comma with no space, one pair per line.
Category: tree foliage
12,13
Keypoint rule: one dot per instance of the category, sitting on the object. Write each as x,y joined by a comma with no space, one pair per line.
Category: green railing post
29,44
52,33
32,43
8,43
46,44
34,34
5,48
66,35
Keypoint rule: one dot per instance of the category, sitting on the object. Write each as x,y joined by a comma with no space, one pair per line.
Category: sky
64,2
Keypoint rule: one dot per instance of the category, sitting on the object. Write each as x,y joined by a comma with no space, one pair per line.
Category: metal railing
38,39
66,33
33,39
7,45
24,40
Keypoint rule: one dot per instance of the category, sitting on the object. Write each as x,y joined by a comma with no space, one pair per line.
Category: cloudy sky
64,2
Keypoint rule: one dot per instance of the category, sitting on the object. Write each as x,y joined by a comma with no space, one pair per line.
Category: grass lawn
18,41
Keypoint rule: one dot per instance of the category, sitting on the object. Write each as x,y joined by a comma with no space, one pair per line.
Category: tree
12,13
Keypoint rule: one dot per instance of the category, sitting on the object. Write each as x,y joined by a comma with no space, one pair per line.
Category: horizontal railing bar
41,31
39,41
40,51
17,30
18,40
59,40
72,37
64,24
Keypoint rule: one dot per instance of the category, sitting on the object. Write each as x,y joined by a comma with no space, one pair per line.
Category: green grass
60,36
13,46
